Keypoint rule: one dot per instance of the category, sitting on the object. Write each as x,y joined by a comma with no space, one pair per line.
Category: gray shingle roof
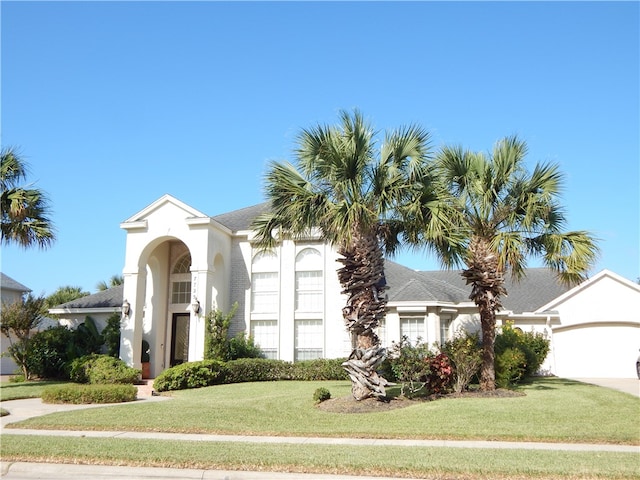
241,219
8,283
112,297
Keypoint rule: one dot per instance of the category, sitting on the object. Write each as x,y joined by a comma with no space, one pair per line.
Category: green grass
553,410
15,391
417,462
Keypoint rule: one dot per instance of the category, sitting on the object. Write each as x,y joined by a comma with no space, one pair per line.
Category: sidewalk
27,408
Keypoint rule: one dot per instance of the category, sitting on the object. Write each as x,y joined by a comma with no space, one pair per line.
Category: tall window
308,339
309,281
181,280
445,329
265,334
413,329
264,283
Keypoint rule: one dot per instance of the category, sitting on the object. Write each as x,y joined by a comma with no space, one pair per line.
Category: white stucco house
11,291
180,264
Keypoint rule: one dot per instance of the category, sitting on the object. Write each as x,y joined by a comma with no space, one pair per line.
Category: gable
166,205
606,297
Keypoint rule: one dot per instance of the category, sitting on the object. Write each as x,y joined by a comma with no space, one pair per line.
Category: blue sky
114,104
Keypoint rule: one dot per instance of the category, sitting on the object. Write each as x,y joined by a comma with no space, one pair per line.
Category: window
264,283
308,339
413,329
309,281
181,292
445,329
265,334
381,331
181,280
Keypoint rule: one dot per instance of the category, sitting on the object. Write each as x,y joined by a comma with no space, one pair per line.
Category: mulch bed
348,404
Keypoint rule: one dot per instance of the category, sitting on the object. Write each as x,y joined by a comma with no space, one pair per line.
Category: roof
241,219
111,297
8,283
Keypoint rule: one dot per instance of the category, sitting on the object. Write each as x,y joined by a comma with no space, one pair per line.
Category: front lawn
552,410
17,390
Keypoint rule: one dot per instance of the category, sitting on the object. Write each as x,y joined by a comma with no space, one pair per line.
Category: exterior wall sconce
195,306
126,308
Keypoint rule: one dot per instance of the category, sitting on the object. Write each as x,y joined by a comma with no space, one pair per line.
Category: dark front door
180,338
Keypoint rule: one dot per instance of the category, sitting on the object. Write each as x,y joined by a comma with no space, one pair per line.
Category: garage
596,350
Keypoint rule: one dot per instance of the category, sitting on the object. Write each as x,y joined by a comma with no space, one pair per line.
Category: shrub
440,376
409,365
258,370
534,346
510,367
86,339
319,369
101,369
111,335
80,394
242,346
191,375
321,394
216,341
49,351
466,354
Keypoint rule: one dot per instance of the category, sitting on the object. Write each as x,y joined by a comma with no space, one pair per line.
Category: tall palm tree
25,210
504,214
356,195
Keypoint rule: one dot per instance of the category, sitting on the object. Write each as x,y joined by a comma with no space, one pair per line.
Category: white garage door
597,351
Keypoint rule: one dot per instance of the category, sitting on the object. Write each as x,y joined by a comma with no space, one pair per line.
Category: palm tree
114,281
25,210
503,214
356,196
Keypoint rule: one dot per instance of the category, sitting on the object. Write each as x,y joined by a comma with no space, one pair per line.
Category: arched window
309,281
181,280
264,283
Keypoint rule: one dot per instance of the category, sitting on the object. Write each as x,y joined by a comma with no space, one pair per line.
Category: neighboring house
11,291
180,264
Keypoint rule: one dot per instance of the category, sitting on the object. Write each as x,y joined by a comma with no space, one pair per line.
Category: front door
180,338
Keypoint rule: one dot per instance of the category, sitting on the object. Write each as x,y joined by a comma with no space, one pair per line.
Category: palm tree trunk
487,282
362,279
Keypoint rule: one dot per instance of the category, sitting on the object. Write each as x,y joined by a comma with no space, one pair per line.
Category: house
11,291
180,264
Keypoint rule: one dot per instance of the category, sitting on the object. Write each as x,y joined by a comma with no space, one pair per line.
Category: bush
49,351
534,346
216,340
191,375
111,335
242,346
81,394
440,376
465,352
101,369
321,394
258,370
319,369
409,366
510,367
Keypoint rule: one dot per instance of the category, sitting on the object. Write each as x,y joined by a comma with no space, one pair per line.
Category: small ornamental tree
216,343
17,323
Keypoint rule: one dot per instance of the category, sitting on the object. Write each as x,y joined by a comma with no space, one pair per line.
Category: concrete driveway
627,385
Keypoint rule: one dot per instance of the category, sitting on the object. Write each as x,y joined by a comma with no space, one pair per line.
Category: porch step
145,388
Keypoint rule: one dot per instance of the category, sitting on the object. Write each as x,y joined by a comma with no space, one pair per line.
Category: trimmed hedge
102,369
191,375
84,394
212,372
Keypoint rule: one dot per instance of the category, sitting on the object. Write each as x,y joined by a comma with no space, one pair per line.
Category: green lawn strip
553,410
356,460
15,391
